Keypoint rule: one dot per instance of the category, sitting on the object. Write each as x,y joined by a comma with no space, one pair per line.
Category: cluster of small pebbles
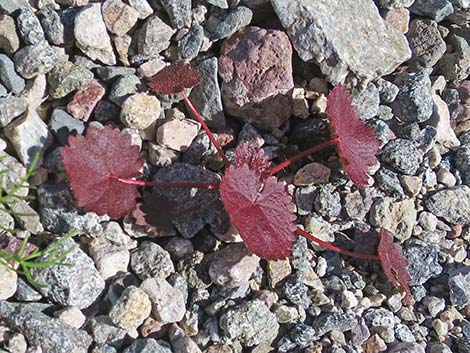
266,67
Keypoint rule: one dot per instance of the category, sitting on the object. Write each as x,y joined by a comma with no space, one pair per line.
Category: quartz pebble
167,302
140,110
178,134
131,309
8,278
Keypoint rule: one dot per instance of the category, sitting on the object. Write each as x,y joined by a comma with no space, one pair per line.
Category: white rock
140,110
142,7
441,121
8,282
72,316
109,259
91,35
177,134
118,16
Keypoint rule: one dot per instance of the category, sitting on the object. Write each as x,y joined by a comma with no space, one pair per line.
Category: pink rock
85,99
256,68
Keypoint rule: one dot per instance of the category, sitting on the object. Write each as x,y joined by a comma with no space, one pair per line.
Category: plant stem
164,184
205,127
335,248
302,154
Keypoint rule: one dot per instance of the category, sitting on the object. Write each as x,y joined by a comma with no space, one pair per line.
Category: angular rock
142,7
148,345
441,121
118,17
10,6
124,87
391,4
29,135
9,40
66,77
206,96
231,22
109,73
178,134
140,110
52,25
426,42
8,76
402,155
455,65
62,125
91,35
399,18
52,335
29,27
190,45
10,108
26,216
423,263
459,286
435,9
179,12
167,302
35,91
256,68
85,100
9,279
232,266
338,322
110,258
324,32
451,204
181,342
103,331
77,285
131,309
462,163
35,60
154,36
151,260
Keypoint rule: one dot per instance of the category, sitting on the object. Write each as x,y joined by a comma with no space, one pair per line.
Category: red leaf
394,264
174,78
357,143
90,161
258,206
254,157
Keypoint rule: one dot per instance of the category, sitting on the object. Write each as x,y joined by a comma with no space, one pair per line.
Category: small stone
426,42
423,263
35,91
428,221
10,108
26,216
91,35
29,135
434,305
250,92
454,65
122,45
104,331
388,181
333,321
387,91
190,45
66,77
441,121
181,342
8,76
399,18
177,134
435,9
357,205
179,12
402,155
412,184
459,286
451,204
76,3
123,88
167,302
9,40
311,174
231,22
110,258
8,278
148,345
398,217
26,293
72,316
232,266
154,66
327,202
35,60
151,260
52,25
278,271
154,36
110,73
142,7
118,17
140,110
250,323
366,101
29,27
85,100
131,309
62,125
78,285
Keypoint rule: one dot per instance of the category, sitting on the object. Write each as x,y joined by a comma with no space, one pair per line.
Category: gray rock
66,77
402,156
10,108
35,60
53,27
103,349
367,101
414,102
29,27
207,97
295,291
423,263
104,331
250,323
190,45
388,182
333,321
3,91
131,309
26,216
91,35
391,4
407,347
9,40
180,341
426,42
118,16
110,258
459,286
231,22
387,91
327,202
26,293
435,9
29,135
455,65
8,76
324,32
148,345
77,285
462,162
10,6
142,7
109,73
451,204
62,125
219,3
123,88
154,36
179,12
151,260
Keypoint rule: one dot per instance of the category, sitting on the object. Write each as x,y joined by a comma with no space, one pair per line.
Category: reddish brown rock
256,68
85,99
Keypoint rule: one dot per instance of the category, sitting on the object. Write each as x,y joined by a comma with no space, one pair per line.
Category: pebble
402,155
168,303
459,286
79,285
140,110
426,42
388,181
406,347
8,278
85,100
278,271
387,91
451,204
399,18
151,260
148,345
441,121
142,7
249,92
366,101
29,27
118,17
62,125
91,35
437,10
10,108
311,174
250,323
52,335
190,45
154,66
434,305
123,88
110,258
177,134
131,309
52,25
455,65
103,331
327,202
9,40
232,266
122,46
154,36
72,316
423,263
231,22
8,76
206,96
66,77
179,12
26,293
181,342
34,60
462,161
378,52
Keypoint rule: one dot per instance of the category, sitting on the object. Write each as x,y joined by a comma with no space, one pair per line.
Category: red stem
335,248
205,127
164,184
303,154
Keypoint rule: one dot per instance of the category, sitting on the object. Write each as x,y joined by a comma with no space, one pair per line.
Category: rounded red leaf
174,78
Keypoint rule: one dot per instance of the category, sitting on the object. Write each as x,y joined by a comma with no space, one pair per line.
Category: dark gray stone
304,197
402,156
62,125
455,65
414,102
34,60
29,27
151,260
462,162
333,321
452,98
451,204
148,345
435,9
52,25
296,292
423,263
190,45
26,293
179,12
367,101
52,335
302,335
109,73
123,88
231,22
387,91
426,42
10,108
103,331
388,181
327,203
8,76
